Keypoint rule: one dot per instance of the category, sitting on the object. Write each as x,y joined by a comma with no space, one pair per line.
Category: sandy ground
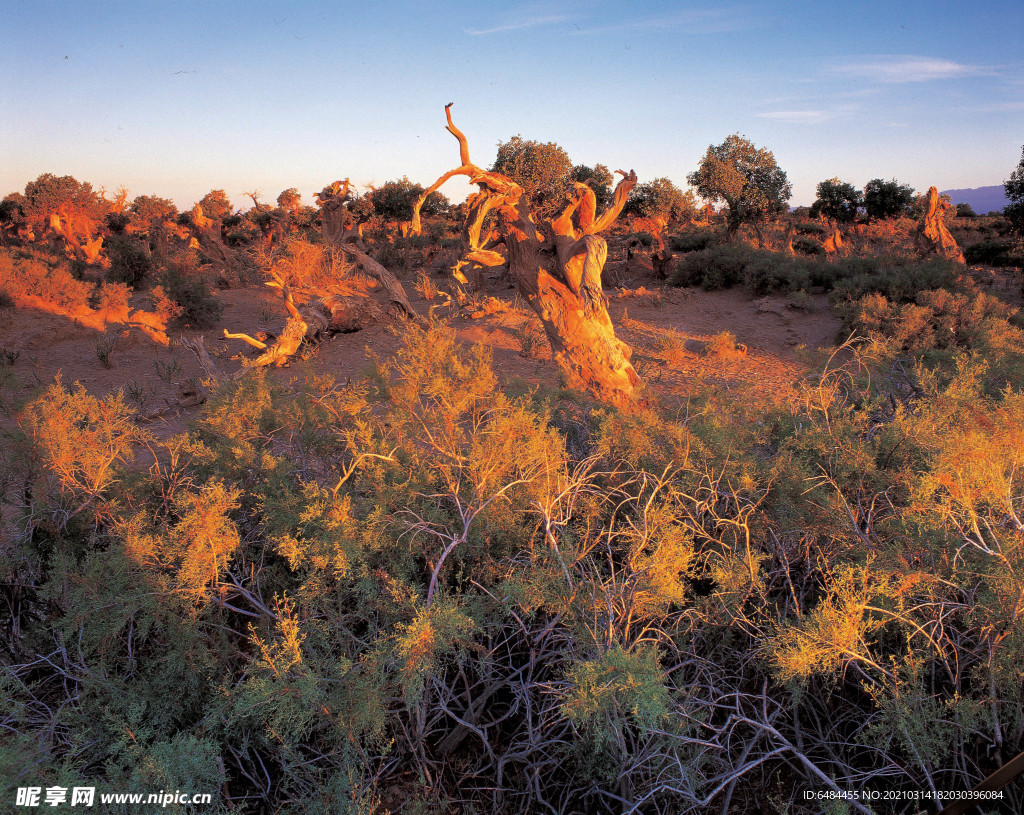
667,328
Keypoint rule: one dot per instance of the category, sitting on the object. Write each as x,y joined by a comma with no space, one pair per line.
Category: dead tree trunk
787,239
339,224
932,236
390,283
208,239
87,249
557,271
339,229
833,242
319,317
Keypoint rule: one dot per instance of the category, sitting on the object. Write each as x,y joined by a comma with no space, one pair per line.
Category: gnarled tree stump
932,236
208,239
557,269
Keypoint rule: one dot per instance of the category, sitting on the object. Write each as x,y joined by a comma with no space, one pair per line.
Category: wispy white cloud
1000,107
809,116
529,21
681,21
825,94
797,116
908,68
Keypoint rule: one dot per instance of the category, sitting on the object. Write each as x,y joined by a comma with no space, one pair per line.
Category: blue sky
176,99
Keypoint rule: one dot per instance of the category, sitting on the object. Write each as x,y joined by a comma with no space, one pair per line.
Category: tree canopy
745,177
394,200
148,208
290,199
1014,186
837,199
542,170
216,204
49,193
599,178
661,198
887,199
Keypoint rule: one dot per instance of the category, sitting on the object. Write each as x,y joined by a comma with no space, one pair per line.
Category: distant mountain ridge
983,200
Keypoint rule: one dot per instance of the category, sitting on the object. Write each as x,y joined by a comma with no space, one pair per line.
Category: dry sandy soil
667,328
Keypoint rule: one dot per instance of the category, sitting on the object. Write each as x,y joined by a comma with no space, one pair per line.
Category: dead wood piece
197,346
641,294
489,307
390,283
315,319
69,226
300,326
350,314
466,167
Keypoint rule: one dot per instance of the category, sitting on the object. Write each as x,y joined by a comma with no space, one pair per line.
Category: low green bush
693,239
758,271
995,252
199,307
129,261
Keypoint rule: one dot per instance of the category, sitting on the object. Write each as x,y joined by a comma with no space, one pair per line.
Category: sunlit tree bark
557,267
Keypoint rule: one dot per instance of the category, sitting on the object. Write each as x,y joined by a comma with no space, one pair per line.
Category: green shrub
993,253
693,239
758,271
129,262
199,307
807,246
320,594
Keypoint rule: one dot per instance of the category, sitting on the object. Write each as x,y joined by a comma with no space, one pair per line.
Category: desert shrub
33,274
199,307
807,246
992,253
897,278
941,325
723,346
6,301
615,681
758,271
693,239
719,267
530,337
304,264
104,348
129,262
317,593
81,439
163,306
112,300
645,239
814,228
